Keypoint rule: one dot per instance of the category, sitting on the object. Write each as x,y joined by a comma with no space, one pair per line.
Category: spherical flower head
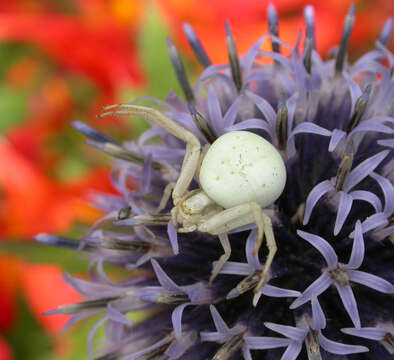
221,270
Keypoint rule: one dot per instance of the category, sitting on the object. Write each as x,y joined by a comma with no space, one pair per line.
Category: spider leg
240,215
166,196
223,259
193,147
271,244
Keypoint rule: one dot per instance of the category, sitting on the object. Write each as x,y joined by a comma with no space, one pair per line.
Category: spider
239,174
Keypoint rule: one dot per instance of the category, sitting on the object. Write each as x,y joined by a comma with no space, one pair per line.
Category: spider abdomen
240,167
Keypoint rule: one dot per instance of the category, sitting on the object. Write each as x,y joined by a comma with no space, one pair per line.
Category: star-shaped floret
171,293
340,275
231,338
344,194
308,331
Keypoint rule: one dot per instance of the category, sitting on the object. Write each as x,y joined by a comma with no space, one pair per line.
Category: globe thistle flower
332,124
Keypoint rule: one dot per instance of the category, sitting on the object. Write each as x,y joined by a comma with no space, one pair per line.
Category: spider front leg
236,217
193,147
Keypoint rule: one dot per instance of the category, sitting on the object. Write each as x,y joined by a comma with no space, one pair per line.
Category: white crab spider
239,174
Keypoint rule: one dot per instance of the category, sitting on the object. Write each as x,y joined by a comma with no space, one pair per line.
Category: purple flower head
194,264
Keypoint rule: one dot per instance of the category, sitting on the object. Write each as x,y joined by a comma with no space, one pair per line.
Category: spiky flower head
329,291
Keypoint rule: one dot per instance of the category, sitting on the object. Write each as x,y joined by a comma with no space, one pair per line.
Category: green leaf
69,260
12,107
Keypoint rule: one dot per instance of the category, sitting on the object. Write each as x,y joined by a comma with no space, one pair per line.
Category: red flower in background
99,47
33,202
5,351
248,20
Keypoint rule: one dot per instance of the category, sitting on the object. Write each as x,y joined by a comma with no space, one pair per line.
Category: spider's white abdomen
240,167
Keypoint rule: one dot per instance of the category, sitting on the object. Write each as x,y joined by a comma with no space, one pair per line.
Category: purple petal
291,332
265,342
334,347
358,249
316,288
374,221
369,125
274,291
164,280
253,259
368,197
344,207
183,119
310,128
76,318
314,196
322,246
387,142
235,268
246,353
336,137
221,326
363,170
248,59
211,71
214,110
275,56
115,315
265,107
179,346
149,134
367,332
198,293
388,191
355,92
372,281
318,317
349,302
176,318
214,336
251,124
257,76
86,287
163,152
173,236
148,349
91,335
292,351
231,114
146,175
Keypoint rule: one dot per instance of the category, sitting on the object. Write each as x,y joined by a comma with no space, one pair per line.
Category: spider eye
240,167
